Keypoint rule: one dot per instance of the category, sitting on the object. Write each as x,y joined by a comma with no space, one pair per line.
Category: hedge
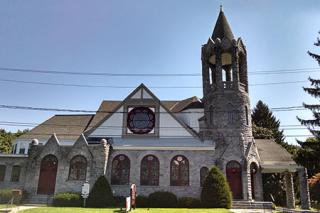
101,194
142,201
67,199
6,196
162,200
189,202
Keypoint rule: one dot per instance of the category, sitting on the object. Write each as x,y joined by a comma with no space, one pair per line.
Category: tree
216,191
6,139
101,194
308,156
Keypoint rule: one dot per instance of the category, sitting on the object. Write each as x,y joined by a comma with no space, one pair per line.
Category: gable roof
273,155
67,127
192,102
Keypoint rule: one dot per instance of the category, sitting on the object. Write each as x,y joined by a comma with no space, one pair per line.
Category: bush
216,191
119,201
142,201
101,195
6,195
314,183
162,200
189,202
67,199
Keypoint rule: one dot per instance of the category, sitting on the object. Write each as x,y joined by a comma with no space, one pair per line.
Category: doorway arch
234,172
48,174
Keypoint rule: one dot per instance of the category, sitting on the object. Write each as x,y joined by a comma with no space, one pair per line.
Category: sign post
85,192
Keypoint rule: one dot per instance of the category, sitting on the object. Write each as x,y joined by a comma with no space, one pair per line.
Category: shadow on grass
119,211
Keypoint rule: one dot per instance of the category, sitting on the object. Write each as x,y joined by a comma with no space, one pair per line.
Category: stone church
157,144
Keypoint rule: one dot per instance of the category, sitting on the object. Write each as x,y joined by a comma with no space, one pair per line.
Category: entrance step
39,199
239,204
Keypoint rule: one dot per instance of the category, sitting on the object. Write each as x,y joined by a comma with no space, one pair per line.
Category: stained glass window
120,170
141,120
179,174
78,168
2,172
149,171
203,174
15,173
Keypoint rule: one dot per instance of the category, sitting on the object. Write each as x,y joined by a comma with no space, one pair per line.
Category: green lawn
3,206
89,210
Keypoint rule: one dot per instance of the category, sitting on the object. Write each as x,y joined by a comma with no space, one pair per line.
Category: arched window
149,171
211,115
78,168
203,174
179,174
120,170
2,172
234,172
15,173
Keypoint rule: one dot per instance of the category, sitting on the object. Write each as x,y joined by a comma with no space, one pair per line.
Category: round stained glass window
141,120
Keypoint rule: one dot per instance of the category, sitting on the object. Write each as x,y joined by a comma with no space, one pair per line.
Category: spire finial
221,8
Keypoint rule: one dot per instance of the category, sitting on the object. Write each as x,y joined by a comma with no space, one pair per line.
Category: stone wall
197,159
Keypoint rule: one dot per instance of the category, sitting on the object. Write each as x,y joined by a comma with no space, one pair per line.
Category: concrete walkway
251,210
18,208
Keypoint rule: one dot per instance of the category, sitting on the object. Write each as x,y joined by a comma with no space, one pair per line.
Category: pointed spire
222,28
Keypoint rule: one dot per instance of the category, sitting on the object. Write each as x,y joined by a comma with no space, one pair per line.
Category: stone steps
251,205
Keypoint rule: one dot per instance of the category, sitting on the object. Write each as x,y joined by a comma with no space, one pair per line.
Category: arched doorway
47,176
253,172
234,171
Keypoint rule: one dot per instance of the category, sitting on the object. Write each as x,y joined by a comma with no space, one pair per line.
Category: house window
120,171
149,171
78,168
22,150
203,174
15,174
179,174
2,172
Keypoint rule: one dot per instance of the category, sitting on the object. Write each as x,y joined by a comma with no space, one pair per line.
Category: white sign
85,189
128,204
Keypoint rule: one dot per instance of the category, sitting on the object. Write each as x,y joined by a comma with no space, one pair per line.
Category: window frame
15,173
180,181
149,164
121,169
72,166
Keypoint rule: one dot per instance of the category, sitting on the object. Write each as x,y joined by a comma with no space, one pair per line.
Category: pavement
18,208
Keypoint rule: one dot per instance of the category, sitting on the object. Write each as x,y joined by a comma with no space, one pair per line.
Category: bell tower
227,117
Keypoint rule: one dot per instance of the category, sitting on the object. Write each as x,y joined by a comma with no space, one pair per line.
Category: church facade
156,144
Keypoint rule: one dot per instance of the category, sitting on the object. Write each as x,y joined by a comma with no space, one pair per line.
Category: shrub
216,191
101,195
189,202
314,183
142,201
6,196
162,200
67,199
119,201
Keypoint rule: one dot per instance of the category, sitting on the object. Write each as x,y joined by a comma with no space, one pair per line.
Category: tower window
247,116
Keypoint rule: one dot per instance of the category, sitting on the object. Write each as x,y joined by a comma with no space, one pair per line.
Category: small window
15,174
78,168
2,172
22,150
203,174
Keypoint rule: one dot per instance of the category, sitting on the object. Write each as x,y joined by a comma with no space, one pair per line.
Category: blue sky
144,36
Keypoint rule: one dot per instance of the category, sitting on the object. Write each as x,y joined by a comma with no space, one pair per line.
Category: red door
234,179
48,173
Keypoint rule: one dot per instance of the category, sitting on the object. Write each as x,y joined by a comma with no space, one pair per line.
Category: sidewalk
18,208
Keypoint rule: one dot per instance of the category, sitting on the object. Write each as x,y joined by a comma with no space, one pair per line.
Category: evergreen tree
101,195
216,191
6,139
308,156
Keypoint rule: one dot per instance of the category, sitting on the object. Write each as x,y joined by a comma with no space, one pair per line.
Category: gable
116,124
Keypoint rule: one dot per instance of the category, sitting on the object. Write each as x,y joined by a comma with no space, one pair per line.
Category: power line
258,72
5,106
133,87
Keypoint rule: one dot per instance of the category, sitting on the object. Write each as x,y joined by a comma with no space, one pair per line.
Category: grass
117,210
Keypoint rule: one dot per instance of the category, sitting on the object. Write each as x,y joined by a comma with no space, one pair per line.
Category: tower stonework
227,117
